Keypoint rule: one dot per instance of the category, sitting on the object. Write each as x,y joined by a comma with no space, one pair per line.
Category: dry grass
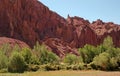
64,73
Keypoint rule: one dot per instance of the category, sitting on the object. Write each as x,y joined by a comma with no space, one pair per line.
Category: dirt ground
64,73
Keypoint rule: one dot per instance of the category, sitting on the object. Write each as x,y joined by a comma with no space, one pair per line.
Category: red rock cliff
31,21
28,20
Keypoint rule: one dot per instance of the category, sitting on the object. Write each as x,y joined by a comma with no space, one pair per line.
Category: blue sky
106,10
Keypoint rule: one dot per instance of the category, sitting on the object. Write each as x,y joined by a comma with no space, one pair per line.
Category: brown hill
31,21
12,42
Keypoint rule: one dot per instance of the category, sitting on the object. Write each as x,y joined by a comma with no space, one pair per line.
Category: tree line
102,57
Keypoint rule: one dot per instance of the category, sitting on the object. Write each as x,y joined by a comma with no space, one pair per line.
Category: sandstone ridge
31,21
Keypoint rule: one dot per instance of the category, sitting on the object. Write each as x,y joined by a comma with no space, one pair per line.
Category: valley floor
65,73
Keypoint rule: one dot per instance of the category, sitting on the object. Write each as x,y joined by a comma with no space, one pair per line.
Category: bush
62,66
100,49
5,49
80,66
118,57
113,63
50,67
87,53
48,57
71,59
108,43
16,48
34,60
32,67
3,60
52,58
4,70
26,53
16,63
102,61
45,56
76,67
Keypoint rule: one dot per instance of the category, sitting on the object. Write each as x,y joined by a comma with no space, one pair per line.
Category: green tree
45,56
100,49
118,56
34,60
27,54
3,60
88,52
16,48
113,63
71,59
52,58
5,48
102,61
108,43
16,63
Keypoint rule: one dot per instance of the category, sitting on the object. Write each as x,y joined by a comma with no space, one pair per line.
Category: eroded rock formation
31,21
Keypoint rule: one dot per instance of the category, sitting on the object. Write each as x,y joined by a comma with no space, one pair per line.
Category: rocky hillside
13,42
31,21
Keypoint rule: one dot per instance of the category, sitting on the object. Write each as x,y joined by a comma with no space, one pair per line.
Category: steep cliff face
31,21
92,33
83,34
28,20
103,29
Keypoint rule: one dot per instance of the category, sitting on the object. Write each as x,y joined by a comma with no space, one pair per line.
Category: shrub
108,43
4,70
102,61
45,56
34,60
5,48
16,48
75,67
113,63
94,66
82,66
52,58
62,66
68,67
87,53
113,52
26,53
32,67
71,59
50,67
118,57
100,49
3,60
16,63
48,57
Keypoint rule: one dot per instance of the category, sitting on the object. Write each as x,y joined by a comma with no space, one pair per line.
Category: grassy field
64,73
